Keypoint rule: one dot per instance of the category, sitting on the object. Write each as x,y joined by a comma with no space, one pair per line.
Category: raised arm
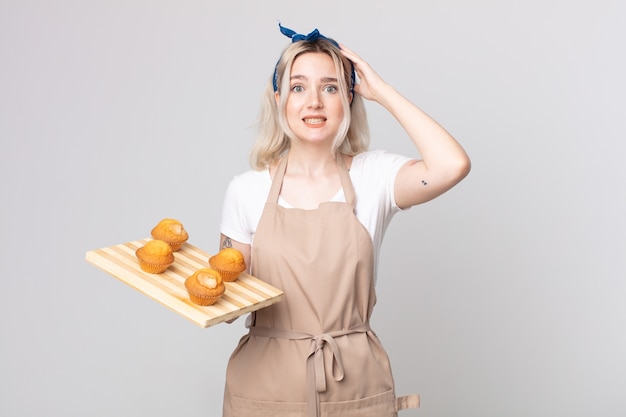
444,162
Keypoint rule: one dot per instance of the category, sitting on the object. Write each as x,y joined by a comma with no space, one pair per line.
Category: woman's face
314,109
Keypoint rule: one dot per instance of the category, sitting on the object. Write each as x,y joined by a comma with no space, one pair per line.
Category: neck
311,161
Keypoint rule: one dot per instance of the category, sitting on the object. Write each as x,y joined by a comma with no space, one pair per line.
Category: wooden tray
242,296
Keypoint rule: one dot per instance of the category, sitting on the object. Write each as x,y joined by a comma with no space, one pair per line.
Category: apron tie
316,371
317,355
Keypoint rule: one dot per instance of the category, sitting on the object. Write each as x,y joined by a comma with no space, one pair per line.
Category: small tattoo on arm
227,243
424,183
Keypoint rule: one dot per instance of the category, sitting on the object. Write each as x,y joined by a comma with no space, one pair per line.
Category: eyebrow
324,79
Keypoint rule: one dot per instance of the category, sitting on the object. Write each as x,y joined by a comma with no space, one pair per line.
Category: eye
332,89
297,88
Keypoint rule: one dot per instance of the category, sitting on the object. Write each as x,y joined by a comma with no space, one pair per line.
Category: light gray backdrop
503,298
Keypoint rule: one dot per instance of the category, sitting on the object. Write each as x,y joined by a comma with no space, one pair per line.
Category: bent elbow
465,166
460,168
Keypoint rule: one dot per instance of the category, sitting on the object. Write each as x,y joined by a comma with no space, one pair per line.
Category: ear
277,97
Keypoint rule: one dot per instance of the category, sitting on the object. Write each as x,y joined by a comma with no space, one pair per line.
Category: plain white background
503,298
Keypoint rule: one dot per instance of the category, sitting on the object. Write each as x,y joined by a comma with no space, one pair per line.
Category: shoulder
249,185
243,204
251,179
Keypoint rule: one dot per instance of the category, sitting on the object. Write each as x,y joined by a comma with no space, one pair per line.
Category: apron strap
277,181
346,182
407,401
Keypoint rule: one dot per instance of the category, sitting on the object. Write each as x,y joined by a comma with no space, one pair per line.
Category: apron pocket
243,407
379,405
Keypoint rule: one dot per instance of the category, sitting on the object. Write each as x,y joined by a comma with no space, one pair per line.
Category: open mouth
314,120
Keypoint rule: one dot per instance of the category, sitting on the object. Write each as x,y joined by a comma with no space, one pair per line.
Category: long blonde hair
273,138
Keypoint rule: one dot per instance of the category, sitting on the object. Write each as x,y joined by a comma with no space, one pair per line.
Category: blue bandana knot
296,37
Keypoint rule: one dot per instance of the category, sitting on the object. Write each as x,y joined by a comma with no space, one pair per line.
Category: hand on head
369,83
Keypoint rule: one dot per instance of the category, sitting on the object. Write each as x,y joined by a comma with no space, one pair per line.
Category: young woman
309,219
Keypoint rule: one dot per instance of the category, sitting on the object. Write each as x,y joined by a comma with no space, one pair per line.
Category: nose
315,99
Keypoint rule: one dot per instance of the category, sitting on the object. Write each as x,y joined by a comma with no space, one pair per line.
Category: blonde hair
273,138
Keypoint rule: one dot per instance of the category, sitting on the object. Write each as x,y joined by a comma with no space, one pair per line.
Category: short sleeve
233,223
243,205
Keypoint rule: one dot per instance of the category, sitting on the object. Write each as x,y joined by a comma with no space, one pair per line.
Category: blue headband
296,37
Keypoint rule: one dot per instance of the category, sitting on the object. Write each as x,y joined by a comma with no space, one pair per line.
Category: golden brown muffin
205,286
229,262
155,256
172,232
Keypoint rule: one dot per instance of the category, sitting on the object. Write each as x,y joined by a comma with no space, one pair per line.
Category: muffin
229,262
172,232
155,256
205,286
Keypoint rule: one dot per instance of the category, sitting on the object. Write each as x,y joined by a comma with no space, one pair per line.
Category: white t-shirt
373,175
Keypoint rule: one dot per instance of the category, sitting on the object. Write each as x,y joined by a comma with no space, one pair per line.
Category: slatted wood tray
242,296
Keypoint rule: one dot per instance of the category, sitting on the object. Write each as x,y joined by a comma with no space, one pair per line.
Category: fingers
350,54
361,67
367,77
356,60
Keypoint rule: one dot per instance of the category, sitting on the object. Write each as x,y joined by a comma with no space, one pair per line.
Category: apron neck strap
344,175
346,182
277,181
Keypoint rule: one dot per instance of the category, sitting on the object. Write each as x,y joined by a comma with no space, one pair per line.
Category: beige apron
313,353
